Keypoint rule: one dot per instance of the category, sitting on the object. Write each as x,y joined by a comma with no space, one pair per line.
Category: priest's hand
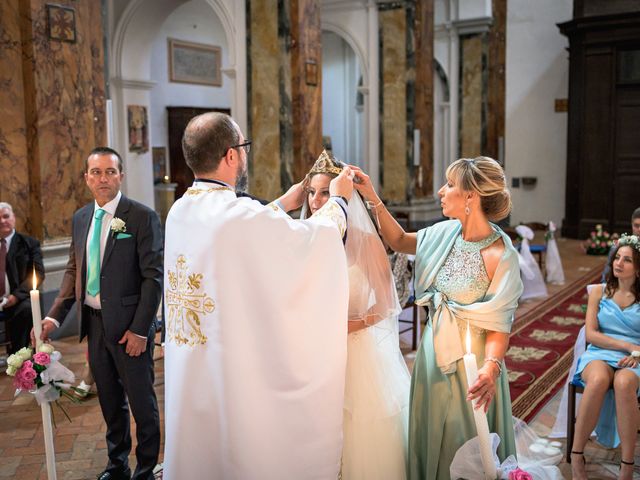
485,387
342,185
293,198
135,343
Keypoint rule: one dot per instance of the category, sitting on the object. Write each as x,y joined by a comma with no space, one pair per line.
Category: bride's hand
362,184
484,389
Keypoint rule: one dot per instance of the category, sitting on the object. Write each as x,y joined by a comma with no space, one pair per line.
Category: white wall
537,73
356,22
340,119
196,22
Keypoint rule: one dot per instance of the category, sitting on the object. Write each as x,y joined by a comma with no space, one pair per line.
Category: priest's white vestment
256,310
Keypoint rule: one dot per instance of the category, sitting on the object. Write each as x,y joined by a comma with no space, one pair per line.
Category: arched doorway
133,77
343,101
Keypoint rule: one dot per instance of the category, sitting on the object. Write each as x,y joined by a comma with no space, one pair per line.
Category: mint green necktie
93,275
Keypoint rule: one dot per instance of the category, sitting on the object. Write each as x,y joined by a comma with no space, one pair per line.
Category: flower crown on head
326,163
629,241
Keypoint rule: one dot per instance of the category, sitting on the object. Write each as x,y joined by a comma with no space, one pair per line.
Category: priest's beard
242,179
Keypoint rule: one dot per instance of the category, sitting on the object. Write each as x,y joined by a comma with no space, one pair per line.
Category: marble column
423,121
482,84
394,104
306,84
264,98
286,108
14,187
472,94
55,112
496,82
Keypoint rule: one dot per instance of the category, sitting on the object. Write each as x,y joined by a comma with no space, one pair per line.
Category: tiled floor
80,445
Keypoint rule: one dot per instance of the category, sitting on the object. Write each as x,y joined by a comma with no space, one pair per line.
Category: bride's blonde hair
484,176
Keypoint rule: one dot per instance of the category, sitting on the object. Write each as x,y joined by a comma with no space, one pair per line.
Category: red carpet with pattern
541,347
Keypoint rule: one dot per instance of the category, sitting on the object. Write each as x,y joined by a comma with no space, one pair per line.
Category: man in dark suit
115,274
19,255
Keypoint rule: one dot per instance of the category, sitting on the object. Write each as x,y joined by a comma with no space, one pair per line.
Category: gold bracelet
497,361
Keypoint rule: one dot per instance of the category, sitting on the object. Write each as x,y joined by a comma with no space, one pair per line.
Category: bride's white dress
376,401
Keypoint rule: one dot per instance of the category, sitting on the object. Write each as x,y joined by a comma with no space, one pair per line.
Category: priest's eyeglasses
246,145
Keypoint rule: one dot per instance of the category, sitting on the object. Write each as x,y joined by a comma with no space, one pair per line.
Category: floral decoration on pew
600,241
41,374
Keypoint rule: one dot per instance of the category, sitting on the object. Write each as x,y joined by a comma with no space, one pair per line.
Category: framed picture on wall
159,157
138,126
195,63
62,23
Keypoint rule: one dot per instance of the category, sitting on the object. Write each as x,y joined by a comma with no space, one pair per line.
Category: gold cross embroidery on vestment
186,304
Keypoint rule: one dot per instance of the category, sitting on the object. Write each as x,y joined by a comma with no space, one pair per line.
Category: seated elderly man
19,255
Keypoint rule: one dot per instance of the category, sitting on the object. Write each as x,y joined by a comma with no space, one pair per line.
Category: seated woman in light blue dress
611,361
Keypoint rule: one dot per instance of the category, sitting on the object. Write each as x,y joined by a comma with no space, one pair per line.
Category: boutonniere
118,226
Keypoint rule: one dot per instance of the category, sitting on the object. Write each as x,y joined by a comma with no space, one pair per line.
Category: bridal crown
326,163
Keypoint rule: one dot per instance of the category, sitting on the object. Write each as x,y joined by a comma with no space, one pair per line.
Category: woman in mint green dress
467,273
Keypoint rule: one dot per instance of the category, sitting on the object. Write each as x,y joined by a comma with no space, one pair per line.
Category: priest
256,307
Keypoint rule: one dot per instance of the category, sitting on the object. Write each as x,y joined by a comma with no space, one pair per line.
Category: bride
377,380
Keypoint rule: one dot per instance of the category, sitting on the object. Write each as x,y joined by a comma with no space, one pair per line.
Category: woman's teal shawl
494,312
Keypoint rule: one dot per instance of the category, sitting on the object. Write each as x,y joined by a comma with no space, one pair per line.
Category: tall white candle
482,426
36,315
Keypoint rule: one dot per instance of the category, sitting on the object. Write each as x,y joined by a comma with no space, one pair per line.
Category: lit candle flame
35,279
468,339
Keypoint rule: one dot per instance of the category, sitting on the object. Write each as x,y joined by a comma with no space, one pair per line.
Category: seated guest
635,230
19,255
611,361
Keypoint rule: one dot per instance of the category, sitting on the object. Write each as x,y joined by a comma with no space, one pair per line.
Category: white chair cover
553,264
559,429
534,286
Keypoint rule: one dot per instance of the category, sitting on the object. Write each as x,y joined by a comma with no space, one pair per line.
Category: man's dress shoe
111,475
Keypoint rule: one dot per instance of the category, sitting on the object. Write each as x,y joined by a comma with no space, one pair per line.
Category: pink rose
22,384
593,245
603,244
519,474
42,358
27,372
20,381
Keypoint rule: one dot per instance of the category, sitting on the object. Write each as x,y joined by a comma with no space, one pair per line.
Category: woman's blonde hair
484,176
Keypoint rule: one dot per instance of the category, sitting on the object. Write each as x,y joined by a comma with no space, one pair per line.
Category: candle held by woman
479,416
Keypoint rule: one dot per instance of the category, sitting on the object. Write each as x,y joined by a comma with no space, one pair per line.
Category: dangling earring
467,210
